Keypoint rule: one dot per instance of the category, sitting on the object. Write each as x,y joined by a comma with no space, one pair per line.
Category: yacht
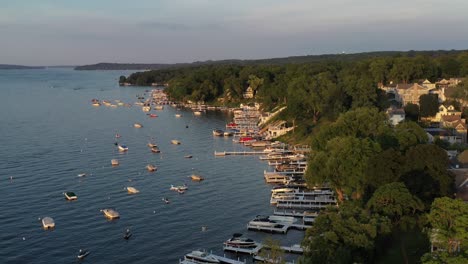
110,213
48,222
132,190
195,177
175,142
122,148
218,132
201,257
70,196
137,125
155,150
177,188
151,167
237,241
263,221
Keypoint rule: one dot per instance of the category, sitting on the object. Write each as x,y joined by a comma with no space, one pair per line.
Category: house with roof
249,93
276,129
410,93
445,110
426,83
395,115
446,135
456,124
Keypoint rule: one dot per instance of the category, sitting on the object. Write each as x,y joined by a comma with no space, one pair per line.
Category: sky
77,32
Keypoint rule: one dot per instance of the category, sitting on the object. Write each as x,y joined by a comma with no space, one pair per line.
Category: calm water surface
49,133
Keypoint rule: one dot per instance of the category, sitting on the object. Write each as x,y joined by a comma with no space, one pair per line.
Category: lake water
49,133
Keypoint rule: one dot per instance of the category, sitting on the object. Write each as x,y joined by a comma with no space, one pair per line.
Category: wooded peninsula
394,181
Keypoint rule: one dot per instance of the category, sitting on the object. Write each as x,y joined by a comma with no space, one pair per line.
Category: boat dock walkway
229,153
295,249
283,229
222,259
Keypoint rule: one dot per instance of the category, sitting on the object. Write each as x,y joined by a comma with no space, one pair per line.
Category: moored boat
153,115
155,150
177,188
228,134
70,196
137,125
115,162
198,256
178,115
122,148
197,113
218,132
48,222
151,167
195,177
238,241
263,221
188,156
132,190
175,142
110,213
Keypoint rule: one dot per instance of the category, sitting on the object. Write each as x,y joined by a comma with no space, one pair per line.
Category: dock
222,259
238,153
283,230
294,249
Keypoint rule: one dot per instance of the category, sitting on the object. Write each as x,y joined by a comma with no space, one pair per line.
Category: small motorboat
122,148
159,107
137,125
180,191
115,162
178,115
110,213
127,234
197,113
118,136
48,223
188,156
228,134
198,256
82,175
132,190
180,187
165,200
146,108
152,145
240,242
218,132
151,167
195,177
153,115
70,196
83,253
175,142
155,150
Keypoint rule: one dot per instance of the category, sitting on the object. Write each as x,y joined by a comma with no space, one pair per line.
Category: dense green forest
393,188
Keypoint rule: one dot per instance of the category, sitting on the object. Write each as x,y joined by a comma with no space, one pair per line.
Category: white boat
110,213
177,188
228,134
218,132
197,113
132,190
151,167
48,222
201,257
152,145
82,175
70,196
115,162
155,150
240,242
175,142
122,148
263,221
178,115
137,125
159,107
146,108
195,177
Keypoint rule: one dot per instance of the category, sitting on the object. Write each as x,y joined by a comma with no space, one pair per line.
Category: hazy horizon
51,32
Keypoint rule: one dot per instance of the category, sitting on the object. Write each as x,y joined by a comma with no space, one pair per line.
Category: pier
241,153
283,229
294,249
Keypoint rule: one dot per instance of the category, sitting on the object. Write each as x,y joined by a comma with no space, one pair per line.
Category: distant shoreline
20,67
